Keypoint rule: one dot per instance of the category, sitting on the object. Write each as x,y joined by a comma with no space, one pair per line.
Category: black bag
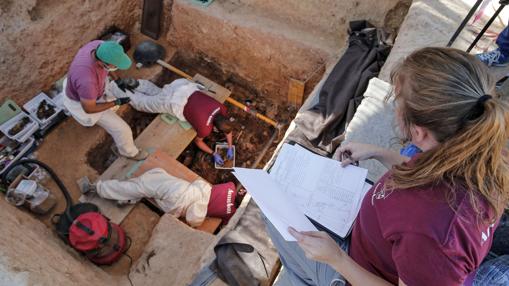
321,128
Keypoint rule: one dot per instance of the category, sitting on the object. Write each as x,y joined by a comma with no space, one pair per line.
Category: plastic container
23,149
25,133
228,164
8,110
32,106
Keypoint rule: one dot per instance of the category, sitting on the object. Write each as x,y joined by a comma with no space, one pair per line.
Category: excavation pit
251,47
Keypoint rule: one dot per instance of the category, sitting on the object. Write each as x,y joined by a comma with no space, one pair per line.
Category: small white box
32,106
225,147
22,151
25,133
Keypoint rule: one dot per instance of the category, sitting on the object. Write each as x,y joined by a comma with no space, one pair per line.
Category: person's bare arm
204,147
229,139
91,106
361,151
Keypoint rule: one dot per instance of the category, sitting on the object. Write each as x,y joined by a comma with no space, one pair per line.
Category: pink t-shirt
414,235
85,79
200,111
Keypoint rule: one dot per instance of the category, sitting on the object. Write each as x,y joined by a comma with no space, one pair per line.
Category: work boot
141,155
494,58
85,186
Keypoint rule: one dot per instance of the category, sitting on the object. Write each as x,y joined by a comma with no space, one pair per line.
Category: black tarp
321,128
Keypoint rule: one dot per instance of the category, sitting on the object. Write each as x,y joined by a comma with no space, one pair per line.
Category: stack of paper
301,184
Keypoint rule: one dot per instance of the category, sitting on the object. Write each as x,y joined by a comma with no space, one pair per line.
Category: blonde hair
451,94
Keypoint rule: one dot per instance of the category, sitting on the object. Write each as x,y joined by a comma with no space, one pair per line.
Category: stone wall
40,37
31,254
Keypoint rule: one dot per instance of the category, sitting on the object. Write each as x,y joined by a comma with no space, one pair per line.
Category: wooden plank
160,159
159,135
296,92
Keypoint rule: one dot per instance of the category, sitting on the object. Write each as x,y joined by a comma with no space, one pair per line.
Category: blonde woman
430,219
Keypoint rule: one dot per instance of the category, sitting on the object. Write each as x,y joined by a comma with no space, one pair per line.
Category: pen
348,155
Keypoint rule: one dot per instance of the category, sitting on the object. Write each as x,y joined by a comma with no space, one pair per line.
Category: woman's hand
319,246
356,152
360,151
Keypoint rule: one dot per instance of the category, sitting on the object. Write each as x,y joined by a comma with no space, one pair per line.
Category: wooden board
160,159
159,135
151,18
296,92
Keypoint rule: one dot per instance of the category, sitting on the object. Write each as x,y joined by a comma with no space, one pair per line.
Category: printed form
319,187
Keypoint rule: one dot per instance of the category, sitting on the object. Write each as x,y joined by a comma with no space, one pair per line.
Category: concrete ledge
172,256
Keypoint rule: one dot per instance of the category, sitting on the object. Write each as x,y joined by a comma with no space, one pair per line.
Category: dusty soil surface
41,37
250,134
67,150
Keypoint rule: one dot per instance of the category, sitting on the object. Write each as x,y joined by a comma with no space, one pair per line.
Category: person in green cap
89,98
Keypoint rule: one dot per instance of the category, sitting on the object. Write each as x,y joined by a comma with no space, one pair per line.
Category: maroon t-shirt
85,79
200,111
414,235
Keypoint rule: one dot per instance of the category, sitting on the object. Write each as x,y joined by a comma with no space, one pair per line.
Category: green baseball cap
112,53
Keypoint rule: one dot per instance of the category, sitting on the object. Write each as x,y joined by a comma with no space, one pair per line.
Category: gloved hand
229,153
122,100
217,159
127,84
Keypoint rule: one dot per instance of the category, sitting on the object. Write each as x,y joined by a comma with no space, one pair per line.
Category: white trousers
109,120
171,99
173,195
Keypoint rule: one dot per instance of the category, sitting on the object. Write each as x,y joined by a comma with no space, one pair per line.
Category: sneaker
494,58
141,155
85,186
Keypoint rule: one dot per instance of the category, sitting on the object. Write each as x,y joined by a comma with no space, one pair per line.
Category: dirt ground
67,150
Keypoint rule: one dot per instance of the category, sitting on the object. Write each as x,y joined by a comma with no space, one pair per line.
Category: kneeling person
204,113
87,90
